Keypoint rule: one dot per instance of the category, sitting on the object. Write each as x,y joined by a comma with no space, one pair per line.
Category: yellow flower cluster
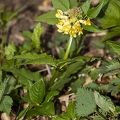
70,22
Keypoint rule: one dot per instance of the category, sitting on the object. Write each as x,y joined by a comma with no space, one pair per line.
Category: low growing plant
74,20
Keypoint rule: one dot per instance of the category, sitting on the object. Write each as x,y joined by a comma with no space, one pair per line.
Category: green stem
57,73
68,48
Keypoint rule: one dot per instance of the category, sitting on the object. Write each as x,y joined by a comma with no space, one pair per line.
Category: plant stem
57,73
68,48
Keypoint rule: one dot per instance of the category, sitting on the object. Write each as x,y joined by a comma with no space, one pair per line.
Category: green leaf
114,45
85,6
92,86
64,78
6,86
110,16
49,18
8,16
62,116
97,117
50,95
113,10
117,110
23,113
26,75
92,28
12,14
27,45
73,3
1,73
27,34
114,86
6,104
110,67
94,74
7,65
104,103
107,22
46,108
2,89
71,111
117,2
112,33
10,50
33,58
93,12
36,35
63,5
37,91
77,84
85,104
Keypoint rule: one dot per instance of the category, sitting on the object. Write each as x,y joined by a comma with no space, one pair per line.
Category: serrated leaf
92,28
6,104
50,95
114,45
37,59
104,103
10,50
46,108
49,18
85,6
63,5
37,91
93,12
2,89
92,86
85,103
36,35
113,86
110,67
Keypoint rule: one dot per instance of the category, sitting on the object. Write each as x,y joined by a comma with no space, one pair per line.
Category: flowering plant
84,83
70,22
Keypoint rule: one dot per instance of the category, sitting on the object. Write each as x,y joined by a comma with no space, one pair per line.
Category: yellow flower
59,14
85,22
70,22
88,22
72,32
78,28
